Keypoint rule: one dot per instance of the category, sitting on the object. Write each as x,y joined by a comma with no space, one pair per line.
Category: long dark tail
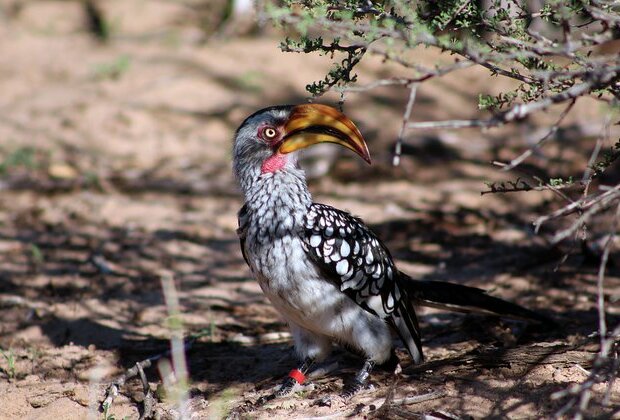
405,323
459,298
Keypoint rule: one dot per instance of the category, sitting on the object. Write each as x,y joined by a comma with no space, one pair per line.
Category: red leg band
297,375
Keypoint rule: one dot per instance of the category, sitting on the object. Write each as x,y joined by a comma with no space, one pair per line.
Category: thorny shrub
557,51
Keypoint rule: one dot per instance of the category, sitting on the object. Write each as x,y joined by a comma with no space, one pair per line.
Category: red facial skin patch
273,163
297,375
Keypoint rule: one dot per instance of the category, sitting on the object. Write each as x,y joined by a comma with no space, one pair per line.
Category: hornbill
324,270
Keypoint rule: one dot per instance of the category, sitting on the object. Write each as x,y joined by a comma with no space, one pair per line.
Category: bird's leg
360,380
295,376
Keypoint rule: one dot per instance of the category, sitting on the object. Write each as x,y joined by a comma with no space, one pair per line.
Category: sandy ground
114,171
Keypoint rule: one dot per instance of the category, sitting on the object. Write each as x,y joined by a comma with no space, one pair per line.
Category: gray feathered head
268,140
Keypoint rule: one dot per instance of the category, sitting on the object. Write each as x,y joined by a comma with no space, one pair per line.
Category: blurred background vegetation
116,118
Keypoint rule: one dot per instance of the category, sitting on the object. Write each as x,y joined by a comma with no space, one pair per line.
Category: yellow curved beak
311,124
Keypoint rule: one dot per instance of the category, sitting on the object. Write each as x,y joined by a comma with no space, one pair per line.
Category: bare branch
529,152
413,88
592,205
590,171
517,112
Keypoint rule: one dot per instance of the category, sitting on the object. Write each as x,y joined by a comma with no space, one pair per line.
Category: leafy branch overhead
500,37
341,73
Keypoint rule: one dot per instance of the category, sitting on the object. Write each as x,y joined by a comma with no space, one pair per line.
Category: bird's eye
270,133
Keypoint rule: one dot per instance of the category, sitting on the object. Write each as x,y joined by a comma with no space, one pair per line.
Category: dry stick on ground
176,381
390,404
138,370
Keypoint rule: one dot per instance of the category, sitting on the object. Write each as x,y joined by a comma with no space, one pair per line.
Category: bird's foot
295,378
351,389
325,401
263,400
359,382
286,388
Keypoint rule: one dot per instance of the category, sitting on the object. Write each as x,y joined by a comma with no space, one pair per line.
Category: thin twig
517,112
609,194
589,172
455,14
600,292
554,128
413,88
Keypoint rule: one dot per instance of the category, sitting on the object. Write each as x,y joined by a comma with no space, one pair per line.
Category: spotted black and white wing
352,257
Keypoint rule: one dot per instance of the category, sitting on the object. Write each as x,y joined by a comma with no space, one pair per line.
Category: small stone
38,401
29,380
81,396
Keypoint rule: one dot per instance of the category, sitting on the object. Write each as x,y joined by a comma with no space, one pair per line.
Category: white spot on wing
345,249
342,267
315,241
